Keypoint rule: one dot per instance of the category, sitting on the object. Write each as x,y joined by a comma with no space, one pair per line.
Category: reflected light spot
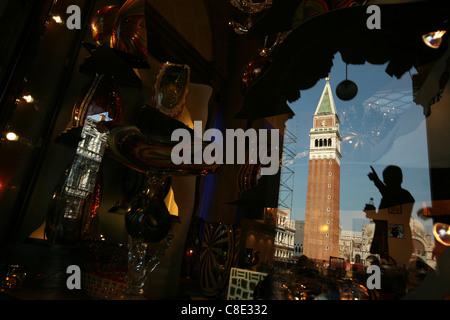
11,136
441,232
28,98
433,39
57,19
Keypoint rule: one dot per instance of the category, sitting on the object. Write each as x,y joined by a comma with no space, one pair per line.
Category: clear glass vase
148,224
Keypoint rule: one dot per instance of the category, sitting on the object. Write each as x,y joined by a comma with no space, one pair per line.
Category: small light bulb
11,136
57,19
28,98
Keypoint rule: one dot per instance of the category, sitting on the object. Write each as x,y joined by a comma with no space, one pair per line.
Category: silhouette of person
392,238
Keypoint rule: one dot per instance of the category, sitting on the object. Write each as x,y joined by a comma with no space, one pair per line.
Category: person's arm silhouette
373,176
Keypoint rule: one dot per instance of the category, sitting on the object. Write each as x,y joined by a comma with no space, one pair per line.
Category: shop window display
87,176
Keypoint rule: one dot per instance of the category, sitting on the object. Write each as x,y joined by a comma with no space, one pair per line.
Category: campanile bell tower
321,234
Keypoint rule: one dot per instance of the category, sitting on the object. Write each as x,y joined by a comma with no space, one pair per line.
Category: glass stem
137,266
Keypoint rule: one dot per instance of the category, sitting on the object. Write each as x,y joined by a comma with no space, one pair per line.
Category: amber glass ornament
129,33
102,24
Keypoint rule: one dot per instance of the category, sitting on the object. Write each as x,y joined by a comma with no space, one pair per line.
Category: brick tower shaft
321,233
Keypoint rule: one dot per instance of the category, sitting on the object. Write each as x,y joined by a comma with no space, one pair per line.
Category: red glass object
252,72
102,24
100,101
129,32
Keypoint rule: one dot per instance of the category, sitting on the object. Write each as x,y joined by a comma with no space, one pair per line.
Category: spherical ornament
252,72
346,90
129,33
102,24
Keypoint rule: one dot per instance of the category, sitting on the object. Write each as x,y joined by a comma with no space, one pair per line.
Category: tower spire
321,233
326,103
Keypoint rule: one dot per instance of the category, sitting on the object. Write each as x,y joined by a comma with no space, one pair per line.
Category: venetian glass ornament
147,219
103,269
102,24
170,88
152,153
251,73
143,258
250,6
129,33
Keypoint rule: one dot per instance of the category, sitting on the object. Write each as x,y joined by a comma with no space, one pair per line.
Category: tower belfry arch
321,233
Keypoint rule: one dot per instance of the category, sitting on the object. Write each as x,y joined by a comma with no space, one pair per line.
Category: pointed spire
326,102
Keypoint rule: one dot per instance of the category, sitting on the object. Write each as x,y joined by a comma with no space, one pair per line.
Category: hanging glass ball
346,90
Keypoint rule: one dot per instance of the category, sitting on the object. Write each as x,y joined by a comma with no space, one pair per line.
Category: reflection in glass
76,199
79,181
433,39
441,232
11,136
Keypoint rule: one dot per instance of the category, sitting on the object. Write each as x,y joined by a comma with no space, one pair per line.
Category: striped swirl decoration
218,256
